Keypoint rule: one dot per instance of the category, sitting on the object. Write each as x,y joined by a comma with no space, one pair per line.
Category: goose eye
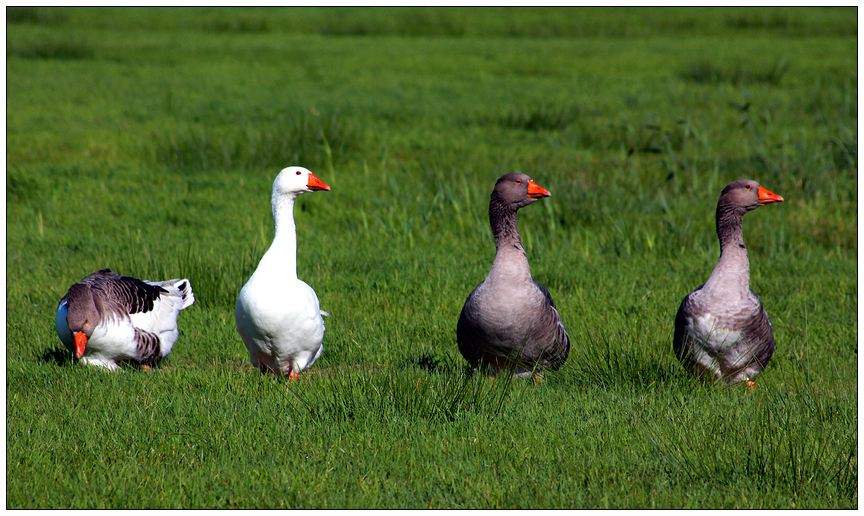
747,186
298,173
518,181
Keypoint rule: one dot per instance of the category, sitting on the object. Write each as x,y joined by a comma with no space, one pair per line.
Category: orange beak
536,191
80,343
766,197
316,184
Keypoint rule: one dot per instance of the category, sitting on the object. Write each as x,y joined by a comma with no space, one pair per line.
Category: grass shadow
431,364
36,15
706,72
57,355
64,49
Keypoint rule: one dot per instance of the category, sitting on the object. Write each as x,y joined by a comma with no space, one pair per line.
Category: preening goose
509,322
278,315
722,330
108,318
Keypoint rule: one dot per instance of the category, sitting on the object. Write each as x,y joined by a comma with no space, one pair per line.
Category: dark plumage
106,318
509,322
721,329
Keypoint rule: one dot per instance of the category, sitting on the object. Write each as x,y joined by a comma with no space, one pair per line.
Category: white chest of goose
278,315
721,329
107,318
509,322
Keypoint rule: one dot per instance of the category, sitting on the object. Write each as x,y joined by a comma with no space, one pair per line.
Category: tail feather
181,288
186,288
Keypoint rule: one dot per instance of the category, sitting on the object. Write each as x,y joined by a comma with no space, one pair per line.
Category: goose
278,315
722,332
509,321
107,318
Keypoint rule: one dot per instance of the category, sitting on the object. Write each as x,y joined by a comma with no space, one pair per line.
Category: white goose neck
283,214
282,254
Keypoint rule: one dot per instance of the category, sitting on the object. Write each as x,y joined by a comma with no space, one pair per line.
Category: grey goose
107,319
509,321
722,332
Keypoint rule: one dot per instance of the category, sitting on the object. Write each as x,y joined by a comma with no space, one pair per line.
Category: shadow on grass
62,356
57,355
435,364
63,49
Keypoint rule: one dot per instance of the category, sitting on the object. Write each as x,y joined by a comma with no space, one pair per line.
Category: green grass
147,140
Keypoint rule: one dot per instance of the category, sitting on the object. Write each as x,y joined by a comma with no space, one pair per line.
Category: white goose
278,315
108,318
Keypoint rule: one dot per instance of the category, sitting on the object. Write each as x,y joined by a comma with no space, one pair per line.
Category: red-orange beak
316,184
766,197
536,191
80,343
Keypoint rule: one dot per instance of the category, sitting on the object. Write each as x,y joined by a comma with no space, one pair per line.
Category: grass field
147,140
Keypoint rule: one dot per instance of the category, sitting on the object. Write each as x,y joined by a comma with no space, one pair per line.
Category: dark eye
298,173
518,181
747,186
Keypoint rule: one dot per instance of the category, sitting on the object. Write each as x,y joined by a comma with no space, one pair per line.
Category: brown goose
107,318
721,330
509,322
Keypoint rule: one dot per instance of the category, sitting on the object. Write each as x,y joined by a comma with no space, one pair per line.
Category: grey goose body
722,331
509,321
107,318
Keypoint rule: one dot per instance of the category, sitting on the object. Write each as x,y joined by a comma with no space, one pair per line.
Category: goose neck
283,214
511,262
733,267
505,227
282,253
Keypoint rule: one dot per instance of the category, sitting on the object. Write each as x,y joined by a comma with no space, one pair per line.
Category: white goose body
107,318
278,316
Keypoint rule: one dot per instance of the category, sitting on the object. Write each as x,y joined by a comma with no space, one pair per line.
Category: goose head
82,316
293,181
517,190
745,195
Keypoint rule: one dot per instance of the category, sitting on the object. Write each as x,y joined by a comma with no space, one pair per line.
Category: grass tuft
544,118
369,396
314,141
766,439
242,24
707,72
36,15
63,48
411,23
